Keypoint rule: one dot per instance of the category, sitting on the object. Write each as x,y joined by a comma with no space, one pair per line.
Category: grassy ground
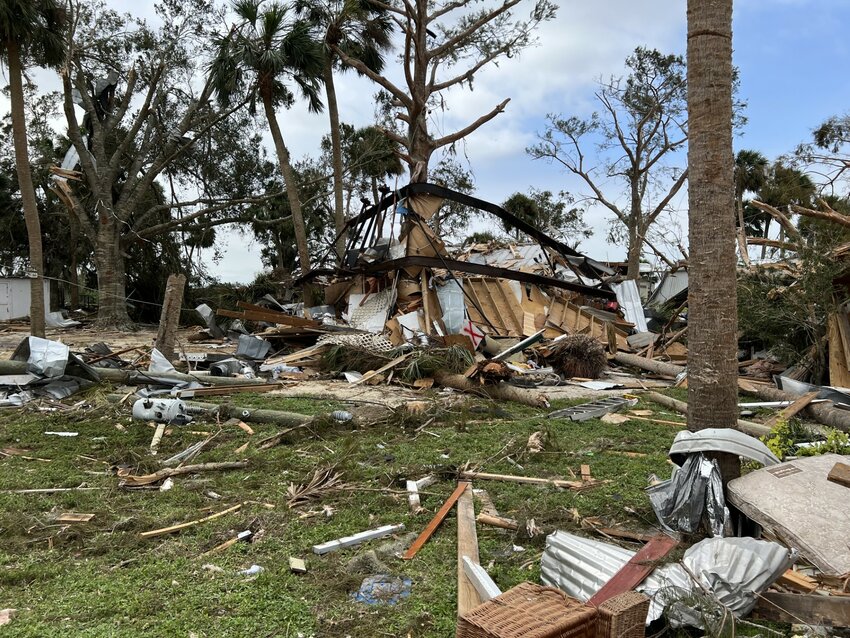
102,579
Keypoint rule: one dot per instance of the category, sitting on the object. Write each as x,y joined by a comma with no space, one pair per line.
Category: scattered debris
435,522
322,481
592,410
356,539
182,526
297,565
383,589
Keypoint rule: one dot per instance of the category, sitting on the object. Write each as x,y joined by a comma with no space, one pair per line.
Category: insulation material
411,325
56,320
794,501
424,205
495,307
450,296
369,312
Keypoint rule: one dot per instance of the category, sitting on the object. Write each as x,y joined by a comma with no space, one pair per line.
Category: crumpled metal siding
734,569
628,296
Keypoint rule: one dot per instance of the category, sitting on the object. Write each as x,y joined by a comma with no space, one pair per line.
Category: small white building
15,297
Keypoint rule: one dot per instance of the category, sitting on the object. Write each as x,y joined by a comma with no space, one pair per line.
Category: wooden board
832,611
435,522
74,517
796,580
636,570
467,545
840,473
797,406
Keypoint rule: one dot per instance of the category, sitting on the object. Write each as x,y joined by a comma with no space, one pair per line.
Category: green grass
100,578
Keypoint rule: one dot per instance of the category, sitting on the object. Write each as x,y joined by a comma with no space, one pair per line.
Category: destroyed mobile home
515,323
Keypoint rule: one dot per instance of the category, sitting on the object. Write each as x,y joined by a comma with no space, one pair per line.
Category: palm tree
29,32
750,176
260,54
362,31
712,299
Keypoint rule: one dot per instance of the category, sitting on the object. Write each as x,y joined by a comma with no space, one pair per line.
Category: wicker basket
529,611
623,616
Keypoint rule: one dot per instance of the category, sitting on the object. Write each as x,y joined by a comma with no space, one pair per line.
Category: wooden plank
530,480
391,364
177,528
585,473
810,609
636,570
435,522
840,473
480,580
492,315
512,307
797,406
288,320
467,546
796,580
232,389
74,517
356,539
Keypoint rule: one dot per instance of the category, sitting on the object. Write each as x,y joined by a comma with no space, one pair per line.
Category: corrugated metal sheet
628,297
734,569
672,283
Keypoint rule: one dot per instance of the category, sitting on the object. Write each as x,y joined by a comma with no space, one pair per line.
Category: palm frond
323,480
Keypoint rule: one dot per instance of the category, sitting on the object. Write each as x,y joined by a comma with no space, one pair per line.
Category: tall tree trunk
420,148
766,233
633,254
291,193
22,164
111,277
712,299
336,154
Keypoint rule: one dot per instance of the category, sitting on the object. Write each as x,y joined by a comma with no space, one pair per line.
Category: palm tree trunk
336,154
30,206
712,299
291,193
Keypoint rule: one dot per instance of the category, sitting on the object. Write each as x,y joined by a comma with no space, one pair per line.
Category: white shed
15,297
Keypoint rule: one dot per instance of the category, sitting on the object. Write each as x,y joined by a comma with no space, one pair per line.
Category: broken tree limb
747,427
658,367
497,521
780,217
147,479
823,413
227,411
435,522
181,526
501,391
